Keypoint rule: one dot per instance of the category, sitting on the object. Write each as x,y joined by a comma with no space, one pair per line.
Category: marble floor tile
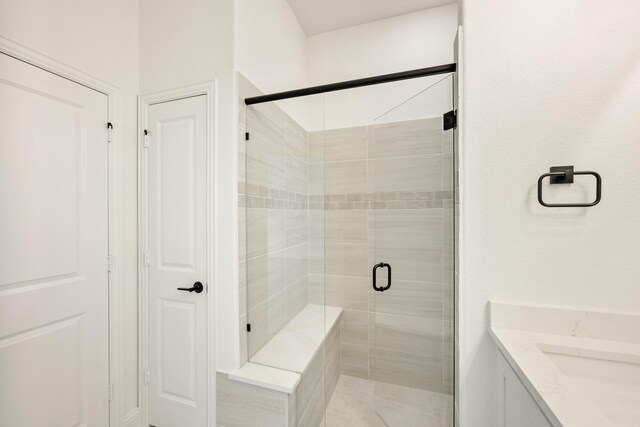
361,403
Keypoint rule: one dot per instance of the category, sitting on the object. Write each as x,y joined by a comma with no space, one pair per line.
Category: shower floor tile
359,403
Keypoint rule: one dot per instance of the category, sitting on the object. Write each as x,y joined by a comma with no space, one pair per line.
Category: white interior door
177,236
54,348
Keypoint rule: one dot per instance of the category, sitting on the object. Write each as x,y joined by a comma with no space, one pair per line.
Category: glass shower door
410,162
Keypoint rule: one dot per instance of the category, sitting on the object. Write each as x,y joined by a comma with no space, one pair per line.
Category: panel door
177,170
54,348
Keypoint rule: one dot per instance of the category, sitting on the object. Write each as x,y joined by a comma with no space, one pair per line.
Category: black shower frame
350,84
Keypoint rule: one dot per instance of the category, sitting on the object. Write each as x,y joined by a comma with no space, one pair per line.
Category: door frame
115,116
207,89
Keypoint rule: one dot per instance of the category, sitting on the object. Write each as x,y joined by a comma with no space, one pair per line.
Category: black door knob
197,288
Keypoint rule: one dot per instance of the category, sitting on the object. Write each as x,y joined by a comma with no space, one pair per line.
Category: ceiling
319,16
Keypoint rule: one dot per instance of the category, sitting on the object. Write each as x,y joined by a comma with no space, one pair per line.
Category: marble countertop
527,335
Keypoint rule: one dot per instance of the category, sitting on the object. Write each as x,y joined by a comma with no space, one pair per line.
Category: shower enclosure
347,244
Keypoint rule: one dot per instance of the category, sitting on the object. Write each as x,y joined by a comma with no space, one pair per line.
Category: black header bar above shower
350,84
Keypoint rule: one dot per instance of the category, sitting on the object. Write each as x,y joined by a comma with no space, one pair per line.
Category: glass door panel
410,164
281,252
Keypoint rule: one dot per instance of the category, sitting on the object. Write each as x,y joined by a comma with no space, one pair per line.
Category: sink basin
609,381
582,367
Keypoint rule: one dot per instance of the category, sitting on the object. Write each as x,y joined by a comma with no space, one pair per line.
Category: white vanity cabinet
516,407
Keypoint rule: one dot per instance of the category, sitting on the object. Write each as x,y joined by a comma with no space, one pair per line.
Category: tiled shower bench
290,380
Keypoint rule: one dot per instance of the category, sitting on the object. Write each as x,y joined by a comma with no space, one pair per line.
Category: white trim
132,418
209,90
116,244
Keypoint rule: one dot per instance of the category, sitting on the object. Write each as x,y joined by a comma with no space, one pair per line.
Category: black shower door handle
376,267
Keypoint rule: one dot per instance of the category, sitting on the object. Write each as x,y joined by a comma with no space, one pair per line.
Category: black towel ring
564,175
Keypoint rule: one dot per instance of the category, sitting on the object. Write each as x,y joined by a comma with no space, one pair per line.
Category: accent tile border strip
393,204
382,196
272,203
274,198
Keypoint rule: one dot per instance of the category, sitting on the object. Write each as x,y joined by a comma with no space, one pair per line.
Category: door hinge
246,136
147,377
110,392
450,120
146,138
248,327
109,132
146,258
109,263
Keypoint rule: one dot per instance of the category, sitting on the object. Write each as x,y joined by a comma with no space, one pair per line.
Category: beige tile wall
385,194
318,381
244,405
273,187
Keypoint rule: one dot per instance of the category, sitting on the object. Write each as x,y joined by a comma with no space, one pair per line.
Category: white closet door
54,349
177,183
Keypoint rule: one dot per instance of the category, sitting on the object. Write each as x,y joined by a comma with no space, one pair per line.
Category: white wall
545,83
103,42
270,46
274,53
401,43
188,42
271,49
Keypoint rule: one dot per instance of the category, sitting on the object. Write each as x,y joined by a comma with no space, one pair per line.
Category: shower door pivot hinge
147,377
109,132
248,327
450,120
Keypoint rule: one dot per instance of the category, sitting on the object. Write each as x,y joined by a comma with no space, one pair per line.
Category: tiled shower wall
273,212
385,192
